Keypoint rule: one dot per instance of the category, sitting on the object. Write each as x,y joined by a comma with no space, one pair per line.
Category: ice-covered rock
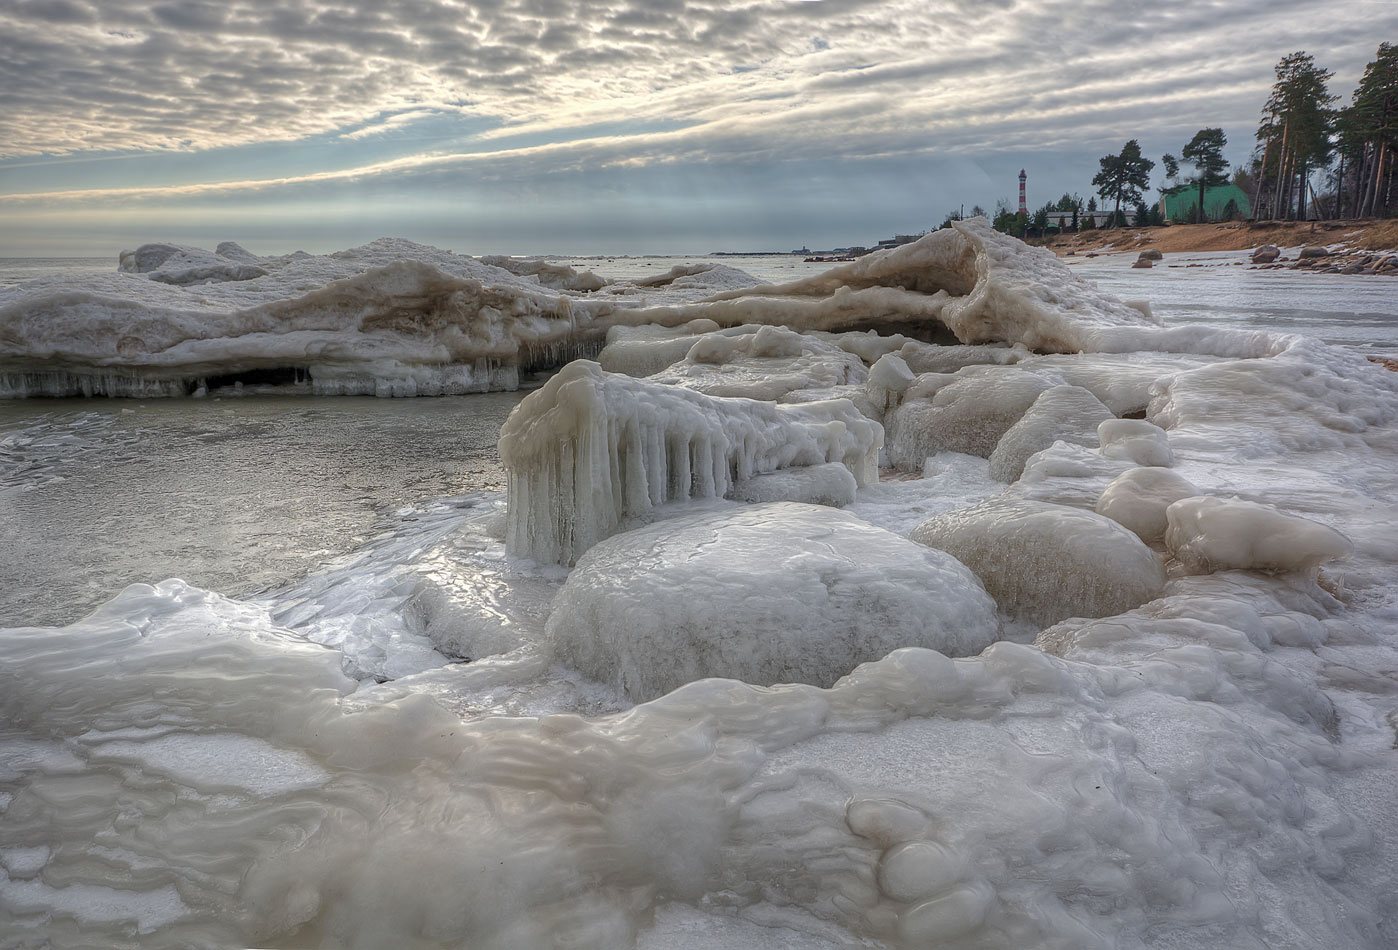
1137,500
1043,563
779,593
1207,533
967,412
1066,413
590,449
1135,440
830,484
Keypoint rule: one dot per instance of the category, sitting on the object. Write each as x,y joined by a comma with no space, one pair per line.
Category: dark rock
1266,254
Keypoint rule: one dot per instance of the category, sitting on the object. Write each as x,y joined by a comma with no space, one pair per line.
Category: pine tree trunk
1302,180
1202,218
1281,169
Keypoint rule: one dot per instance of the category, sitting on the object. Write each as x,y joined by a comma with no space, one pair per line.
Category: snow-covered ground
1182,736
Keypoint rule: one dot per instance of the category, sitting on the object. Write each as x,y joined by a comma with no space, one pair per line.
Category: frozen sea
244,495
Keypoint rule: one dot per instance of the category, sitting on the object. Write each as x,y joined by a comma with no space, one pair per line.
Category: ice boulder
1044,563
780,593
1135,440
829,484
1209,534
968,412
590,450
1137,500
1063,413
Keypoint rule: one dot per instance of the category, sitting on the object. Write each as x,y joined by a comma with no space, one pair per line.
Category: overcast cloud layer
632,125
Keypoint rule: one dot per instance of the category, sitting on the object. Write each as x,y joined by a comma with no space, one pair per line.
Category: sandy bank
1234,236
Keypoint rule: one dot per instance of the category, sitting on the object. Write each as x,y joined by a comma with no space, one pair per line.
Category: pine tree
1294,136
1205,153
1122,177
1368,136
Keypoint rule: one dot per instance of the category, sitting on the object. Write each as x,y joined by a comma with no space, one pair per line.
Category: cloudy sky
663,126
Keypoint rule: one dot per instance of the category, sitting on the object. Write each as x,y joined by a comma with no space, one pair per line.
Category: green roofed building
1177,203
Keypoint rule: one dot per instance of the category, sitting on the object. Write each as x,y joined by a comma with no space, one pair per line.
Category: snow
779,593
1219,534
590,450
1067,413
1044,562
829,484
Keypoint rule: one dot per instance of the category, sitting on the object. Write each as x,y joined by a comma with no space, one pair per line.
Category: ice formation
1137,500
1135,440
394,318
1209,763
1066,413
967,412
590,450
779,593
1046,562
1221,534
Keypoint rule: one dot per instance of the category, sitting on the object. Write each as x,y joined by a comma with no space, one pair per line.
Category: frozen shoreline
1183,736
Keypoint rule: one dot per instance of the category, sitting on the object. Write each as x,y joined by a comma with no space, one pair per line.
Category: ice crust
776,593
1210,765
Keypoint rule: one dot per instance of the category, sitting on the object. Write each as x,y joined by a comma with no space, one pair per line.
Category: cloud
563,88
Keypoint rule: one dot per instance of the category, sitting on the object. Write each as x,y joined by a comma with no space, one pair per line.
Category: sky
620,126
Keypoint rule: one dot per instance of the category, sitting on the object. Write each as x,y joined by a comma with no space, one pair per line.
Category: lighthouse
1023,207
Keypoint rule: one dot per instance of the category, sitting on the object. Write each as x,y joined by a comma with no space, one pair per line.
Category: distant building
1179,202
1023,204
898,240
1063,220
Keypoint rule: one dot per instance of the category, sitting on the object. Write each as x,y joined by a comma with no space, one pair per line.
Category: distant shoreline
1368,235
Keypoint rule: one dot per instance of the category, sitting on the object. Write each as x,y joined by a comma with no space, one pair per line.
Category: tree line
1303,139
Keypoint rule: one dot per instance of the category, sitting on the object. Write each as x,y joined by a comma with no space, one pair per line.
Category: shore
1368,235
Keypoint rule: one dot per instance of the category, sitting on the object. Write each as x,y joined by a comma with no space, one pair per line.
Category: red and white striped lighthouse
1023,206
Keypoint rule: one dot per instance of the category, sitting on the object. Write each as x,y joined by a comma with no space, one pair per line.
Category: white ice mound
780,593
176,264
1064,413
1044,563
1209,534
967,412
1137,500
590,449
555,276
1135,440
982,286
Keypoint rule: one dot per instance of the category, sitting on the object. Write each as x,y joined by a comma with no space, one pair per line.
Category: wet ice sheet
236,495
